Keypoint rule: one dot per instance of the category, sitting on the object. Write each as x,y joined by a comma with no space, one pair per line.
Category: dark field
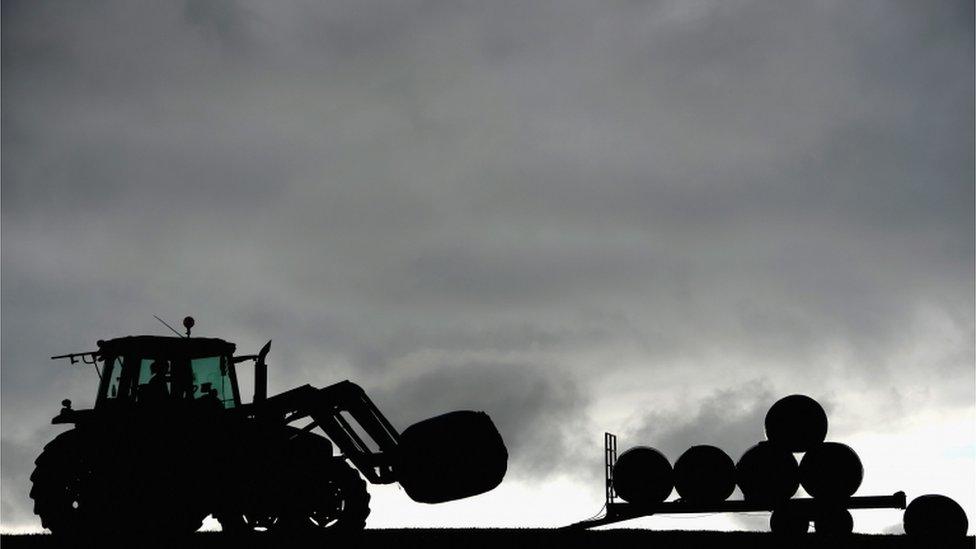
506,539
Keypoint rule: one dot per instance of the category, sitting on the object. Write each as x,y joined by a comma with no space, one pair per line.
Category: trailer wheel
834,522
785,522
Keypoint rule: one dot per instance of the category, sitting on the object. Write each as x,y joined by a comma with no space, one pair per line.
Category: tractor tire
345,511
75,497
62,486
334,502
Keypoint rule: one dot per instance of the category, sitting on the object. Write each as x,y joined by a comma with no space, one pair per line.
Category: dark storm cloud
534,198
731,419
541,418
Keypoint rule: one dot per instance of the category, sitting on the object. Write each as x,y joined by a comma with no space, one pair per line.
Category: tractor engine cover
451,456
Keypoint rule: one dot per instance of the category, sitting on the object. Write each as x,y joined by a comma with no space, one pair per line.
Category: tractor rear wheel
62,487
78,492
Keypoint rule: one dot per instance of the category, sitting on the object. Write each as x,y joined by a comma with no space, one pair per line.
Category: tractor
169,442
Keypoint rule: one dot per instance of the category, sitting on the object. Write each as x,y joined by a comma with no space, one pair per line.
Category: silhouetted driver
156,390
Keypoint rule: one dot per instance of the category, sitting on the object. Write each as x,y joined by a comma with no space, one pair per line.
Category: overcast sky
646,217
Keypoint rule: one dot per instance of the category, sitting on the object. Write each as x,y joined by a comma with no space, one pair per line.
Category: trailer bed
617,512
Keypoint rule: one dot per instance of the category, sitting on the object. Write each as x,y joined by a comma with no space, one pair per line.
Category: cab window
115,378
155,381
211,380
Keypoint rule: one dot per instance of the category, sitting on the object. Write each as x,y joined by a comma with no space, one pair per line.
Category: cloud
569,205
18,460
540,414
731,419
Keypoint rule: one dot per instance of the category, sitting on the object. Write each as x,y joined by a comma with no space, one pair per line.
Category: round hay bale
796,422
643,475
834,521
451,456
704,474
785,522
767,473
831,470
935,517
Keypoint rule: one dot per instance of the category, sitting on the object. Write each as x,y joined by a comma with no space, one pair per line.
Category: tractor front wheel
334,502
344,504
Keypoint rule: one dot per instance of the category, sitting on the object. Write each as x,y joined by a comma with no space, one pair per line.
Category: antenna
168,326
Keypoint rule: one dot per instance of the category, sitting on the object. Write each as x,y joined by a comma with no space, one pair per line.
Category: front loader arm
338,409
447,457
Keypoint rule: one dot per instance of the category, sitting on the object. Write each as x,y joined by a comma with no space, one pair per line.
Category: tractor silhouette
169,442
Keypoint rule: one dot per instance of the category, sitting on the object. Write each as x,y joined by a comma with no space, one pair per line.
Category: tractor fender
307,441
64,444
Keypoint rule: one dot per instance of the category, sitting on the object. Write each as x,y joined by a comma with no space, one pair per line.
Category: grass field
504,539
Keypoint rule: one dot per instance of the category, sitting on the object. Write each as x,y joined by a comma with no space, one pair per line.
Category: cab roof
163,346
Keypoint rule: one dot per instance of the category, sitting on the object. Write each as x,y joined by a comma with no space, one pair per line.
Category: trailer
789,517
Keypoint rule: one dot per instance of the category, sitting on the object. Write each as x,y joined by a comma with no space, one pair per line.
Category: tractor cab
161,371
